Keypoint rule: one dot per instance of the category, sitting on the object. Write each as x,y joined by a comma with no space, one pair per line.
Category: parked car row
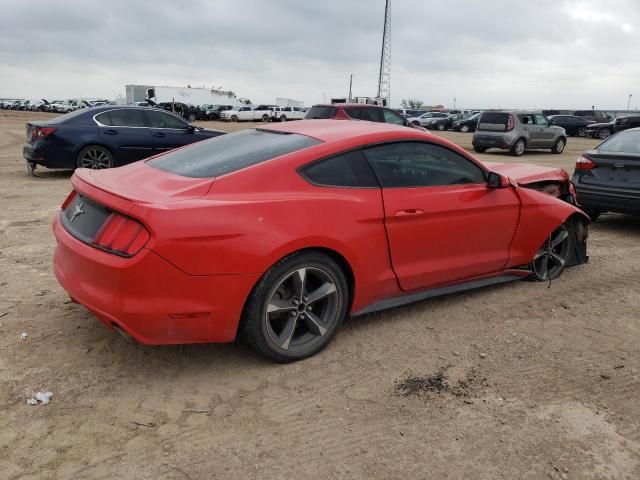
54,106
293,308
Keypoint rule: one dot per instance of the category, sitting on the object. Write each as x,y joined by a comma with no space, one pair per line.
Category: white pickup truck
248,114
282,114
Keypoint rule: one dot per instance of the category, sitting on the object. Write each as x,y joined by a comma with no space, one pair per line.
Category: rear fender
540,215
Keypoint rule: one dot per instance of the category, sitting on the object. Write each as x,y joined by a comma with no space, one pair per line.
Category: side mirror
495,180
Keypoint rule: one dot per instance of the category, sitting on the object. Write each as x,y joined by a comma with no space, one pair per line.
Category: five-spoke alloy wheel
297,306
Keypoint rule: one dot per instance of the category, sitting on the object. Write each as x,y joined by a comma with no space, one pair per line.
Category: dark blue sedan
106,137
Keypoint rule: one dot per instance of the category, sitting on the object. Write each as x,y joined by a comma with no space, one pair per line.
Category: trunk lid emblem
77,211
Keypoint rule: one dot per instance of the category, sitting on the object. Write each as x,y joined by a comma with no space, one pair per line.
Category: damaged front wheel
552,257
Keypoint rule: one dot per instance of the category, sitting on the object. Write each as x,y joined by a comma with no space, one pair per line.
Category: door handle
159,134
111,132
409,212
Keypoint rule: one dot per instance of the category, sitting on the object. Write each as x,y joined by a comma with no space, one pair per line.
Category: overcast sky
490,53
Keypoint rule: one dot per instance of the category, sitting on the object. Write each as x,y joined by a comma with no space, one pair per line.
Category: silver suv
517,131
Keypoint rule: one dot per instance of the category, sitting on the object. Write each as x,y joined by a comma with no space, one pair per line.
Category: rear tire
265,118
464,129
440,127
94,157
417,124
518,148
558,148
283,118
582,132
282,321
234,118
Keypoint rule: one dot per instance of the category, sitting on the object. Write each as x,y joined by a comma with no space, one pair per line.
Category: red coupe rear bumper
149,298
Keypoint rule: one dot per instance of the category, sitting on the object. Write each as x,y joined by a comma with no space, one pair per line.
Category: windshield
228,153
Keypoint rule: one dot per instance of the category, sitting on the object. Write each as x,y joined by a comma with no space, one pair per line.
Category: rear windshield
71,116
228,153
628,142
320,112
493,121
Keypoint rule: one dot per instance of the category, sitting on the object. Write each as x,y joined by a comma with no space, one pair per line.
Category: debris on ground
24,335
142,424
197,410
437,383
416,385
42,397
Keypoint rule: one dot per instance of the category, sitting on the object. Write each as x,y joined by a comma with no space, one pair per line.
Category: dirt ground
517,381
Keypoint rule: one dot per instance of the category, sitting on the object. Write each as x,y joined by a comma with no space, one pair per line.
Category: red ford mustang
278,233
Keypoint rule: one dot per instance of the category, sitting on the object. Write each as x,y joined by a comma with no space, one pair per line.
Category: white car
62,106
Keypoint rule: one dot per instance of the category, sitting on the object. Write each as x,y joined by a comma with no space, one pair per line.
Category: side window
159,119
392,117
346,170
541,119
417,164
526,119
122,118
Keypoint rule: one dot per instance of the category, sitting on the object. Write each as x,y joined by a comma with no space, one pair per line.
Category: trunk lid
612,169
141,183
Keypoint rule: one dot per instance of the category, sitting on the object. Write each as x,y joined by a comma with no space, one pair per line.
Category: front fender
540,215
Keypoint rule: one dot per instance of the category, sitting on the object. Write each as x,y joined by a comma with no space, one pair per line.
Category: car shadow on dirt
618,223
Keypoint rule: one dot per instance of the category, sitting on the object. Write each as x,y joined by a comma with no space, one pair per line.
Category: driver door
444,224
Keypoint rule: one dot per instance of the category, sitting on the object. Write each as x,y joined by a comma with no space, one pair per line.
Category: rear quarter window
345,170
228,153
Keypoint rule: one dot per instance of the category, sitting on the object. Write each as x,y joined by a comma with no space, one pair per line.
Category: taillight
510,123
69,199
121,235
584,163
41,132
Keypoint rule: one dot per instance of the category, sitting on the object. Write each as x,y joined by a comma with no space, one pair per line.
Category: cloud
490,53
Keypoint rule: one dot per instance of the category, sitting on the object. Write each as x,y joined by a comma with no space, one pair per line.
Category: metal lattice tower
384,79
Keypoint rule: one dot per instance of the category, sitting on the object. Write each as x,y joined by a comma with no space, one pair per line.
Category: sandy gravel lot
542,382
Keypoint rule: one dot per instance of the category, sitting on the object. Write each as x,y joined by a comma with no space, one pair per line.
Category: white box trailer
288,102
191,96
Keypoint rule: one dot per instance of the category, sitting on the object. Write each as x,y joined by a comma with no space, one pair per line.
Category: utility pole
384,77
350,84
454,103
629,101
